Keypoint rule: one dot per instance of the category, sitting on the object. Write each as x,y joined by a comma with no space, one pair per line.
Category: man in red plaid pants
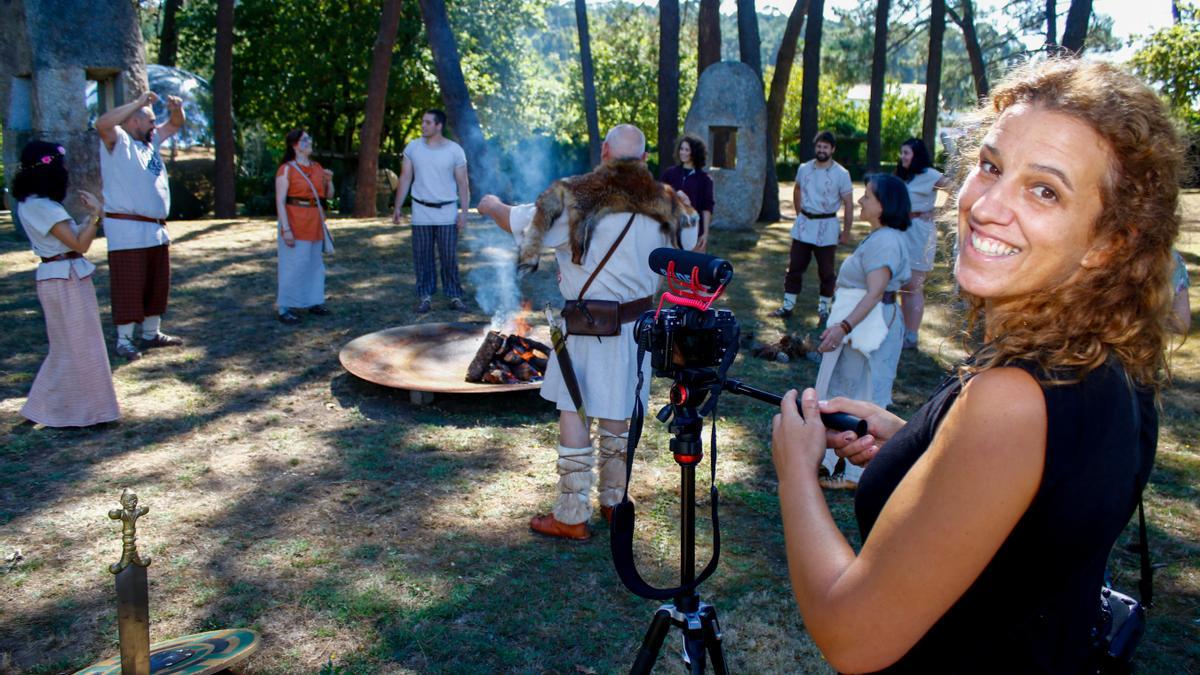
136,202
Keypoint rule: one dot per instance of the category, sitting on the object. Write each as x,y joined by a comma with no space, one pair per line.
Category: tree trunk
933,75
966,23
1075,32
749,44
224,188
482,165
168,39
708,49
775,103
878,71
668,81
1051,24
372,127
589,82
810,87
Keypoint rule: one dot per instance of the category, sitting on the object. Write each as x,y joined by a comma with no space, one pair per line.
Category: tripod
697,619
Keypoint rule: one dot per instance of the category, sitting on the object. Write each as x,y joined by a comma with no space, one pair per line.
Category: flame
520,326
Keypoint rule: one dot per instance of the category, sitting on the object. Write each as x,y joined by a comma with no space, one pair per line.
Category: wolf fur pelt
619,186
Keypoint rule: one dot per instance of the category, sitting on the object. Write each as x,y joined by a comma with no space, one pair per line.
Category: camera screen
694,349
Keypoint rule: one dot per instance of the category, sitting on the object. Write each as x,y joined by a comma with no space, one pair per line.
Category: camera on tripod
683,337
694,346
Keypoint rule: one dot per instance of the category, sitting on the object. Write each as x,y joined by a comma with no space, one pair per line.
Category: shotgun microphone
714,271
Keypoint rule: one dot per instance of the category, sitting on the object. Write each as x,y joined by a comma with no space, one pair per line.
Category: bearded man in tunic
605,367
136,202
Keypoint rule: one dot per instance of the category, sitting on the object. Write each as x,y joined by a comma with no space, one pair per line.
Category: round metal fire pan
429,357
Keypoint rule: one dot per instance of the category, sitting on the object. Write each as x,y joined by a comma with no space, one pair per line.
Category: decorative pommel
128,515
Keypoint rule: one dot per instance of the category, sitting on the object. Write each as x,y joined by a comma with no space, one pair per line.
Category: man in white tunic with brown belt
605,367
136,202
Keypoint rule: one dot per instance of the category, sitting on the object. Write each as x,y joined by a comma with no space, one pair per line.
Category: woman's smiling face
1026,212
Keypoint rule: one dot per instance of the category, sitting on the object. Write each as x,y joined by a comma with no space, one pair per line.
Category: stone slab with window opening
48,52
730,114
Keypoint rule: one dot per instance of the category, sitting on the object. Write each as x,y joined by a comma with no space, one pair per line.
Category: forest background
310,63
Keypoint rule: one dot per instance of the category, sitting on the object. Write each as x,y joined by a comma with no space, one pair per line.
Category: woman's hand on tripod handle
881,426
798,441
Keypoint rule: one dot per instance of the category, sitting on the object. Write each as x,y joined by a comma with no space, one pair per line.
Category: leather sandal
607,512
550,526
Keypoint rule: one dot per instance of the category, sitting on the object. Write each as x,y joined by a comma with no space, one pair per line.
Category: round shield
197,654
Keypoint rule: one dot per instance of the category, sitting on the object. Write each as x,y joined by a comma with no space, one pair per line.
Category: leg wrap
575,478
612,467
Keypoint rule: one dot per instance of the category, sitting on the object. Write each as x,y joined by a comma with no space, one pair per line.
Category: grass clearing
361,534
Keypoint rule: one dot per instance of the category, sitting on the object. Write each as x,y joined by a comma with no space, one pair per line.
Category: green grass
361,534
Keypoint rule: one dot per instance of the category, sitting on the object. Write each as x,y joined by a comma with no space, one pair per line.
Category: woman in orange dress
301,187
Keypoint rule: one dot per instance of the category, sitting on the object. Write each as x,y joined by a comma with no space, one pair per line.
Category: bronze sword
564,364
133,596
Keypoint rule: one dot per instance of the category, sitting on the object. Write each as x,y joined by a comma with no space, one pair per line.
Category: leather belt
818,216
634,309
140,219
309,203
69,255
889,298
434,205
923,215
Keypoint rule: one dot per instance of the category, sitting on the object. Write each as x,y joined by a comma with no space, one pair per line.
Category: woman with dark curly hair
987,519
690,178
74,386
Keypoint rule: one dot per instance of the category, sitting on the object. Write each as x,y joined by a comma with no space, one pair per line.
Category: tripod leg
652,643
712,638
693,645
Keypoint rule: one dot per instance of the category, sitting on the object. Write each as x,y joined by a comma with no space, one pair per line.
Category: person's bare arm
937,532
702,242
285,228
877,281
80,243
106,124
464,194
175,121
796,197
406,176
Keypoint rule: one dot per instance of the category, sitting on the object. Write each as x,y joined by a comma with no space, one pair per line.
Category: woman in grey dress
861,345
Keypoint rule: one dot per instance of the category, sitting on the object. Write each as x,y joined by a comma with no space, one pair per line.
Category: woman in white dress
917,172
74,386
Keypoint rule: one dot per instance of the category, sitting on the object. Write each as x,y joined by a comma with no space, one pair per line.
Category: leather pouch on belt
593,317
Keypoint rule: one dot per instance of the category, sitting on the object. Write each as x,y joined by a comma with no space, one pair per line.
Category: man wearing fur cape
604,366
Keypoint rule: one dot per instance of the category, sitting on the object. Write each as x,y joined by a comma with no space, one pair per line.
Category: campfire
509,358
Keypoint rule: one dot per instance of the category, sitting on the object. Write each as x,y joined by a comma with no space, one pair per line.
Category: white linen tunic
135,183
921,235
605,367
821,191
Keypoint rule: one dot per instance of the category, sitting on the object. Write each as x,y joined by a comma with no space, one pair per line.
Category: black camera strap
621,538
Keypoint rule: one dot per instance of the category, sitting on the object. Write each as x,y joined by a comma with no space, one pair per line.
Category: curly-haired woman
74,386
690,178
988,517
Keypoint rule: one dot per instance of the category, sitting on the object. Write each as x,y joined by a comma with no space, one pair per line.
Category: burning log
510,359
493,342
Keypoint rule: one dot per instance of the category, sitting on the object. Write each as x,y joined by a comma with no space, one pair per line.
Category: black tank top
1033,607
